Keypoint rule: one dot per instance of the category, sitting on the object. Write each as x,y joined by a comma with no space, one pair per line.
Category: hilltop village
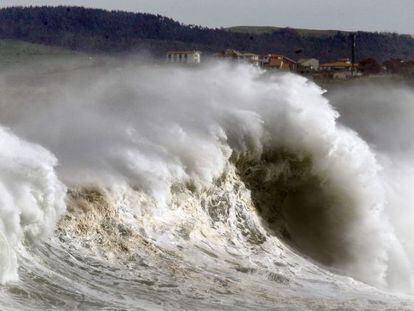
340,69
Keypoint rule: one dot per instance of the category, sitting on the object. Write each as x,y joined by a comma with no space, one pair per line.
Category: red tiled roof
281,56
338,64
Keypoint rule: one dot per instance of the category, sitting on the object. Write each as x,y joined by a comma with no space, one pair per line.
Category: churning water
216,188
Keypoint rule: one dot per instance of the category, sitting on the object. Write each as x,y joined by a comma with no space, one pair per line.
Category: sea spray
382,112
159,130
31,198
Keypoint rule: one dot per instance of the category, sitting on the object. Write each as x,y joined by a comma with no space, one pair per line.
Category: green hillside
18,52
268,29
99,31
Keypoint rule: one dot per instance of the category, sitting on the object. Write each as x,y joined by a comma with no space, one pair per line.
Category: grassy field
267,29
17,52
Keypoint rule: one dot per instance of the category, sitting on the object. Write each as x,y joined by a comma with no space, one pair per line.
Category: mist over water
382,114
222,155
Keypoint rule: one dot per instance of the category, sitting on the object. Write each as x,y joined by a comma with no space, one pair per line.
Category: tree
369,66
394,65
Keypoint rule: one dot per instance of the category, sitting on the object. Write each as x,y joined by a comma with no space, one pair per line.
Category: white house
251,58
239,57
184,57
308,64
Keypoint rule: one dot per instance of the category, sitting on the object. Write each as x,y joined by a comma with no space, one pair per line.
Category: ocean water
222,187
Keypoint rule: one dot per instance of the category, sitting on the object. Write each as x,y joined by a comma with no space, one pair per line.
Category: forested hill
103,31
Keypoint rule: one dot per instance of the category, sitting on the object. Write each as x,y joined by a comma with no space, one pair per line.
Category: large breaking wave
219,165
31,198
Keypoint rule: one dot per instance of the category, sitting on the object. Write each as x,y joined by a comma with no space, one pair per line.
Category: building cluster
184,57
340,69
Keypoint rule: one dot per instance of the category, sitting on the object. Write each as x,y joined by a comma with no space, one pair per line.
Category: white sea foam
154,127
31,198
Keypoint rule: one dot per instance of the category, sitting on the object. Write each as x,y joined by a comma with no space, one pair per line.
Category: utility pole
353,54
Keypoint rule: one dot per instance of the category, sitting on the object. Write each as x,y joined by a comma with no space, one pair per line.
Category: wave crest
220,157
31,198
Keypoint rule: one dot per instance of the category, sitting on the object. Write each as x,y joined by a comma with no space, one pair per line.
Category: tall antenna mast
353,54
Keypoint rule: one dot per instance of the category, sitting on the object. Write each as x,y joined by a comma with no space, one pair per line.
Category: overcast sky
372,15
